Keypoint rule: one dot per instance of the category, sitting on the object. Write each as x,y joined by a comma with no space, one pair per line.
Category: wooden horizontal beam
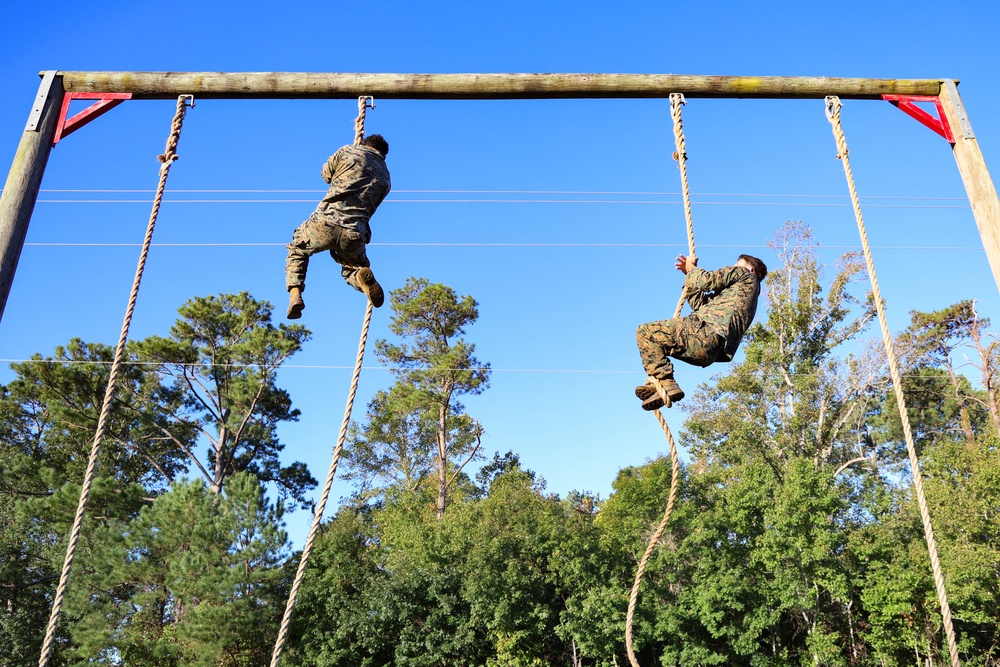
317,85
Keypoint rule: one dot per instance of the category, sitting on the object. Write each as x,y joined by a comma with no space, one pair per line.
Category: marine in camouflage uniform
359,181
723,302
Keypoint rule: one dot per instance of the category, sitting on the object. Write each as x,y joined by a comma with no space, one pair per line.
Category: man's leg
349,252
309,238
684,338
657,342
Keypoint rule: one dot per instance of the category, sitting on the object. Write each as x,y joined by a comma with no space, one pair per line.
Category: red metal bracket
106,102
905,103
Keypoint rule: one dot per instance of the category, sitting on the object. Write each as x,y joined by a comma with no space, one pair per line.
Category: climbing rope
833,106
676,102
167,159
318,515
279,645
364,103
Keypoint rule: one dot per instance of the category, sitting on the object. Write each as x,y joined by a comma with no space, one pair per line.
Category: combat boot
370,286
295,303
650,397
674,392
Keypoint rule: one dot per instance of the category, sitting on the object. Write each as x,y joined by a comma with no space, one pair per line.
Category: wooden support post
25,178
978,184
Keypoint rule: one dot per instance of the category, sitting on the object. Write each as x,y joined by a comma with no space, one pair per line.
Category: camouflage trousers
315,235
686,338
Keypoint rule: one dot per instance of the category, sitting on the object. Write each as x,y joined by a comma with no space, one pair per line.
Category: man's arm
697,299
330,167
700,280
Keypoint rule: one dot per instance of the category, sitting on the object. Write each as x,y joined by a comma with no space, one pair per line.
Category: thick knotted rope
833,106
359,122
167,159
279,644
676,101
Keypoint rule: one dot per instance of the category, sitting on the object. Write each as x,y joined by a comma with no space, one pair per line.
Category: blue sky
556,321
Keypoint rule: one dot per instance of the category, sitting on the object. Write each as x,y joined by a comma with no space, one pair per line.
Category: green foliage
217,370
433,367
396,448
792,396
48,416
195,579
795,539
488,584
211,381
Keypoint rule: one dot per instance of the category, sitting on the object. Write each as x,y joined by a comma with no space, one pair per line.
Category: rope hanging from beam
833,106
676,102
359,133
167,159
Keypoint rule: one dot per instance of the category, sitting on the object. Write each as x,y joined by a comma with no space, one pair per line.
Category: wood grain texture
978,184
21,189
318,85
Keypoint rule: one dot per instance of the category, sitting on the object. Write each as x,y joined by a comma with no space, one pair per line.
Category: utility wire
513,201
527,192
338,367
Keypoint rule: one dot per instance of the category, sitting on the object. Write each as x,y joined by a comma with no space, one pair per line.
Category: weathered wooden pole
319,85
976,177
25,178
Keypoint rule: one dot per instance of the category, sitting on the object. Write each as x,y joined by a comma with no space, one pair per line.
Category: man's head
377,142
753,265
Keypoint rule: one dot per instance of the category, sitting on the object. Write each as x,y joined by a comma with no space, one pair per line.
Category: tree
771,440
792,396
213,378
956,443
432,370
394,449
927,347
217,374
195,579
490,583
48,415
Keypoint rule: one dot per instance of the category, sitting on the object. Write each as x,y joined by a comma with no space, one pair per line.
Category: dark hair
757,267
377,142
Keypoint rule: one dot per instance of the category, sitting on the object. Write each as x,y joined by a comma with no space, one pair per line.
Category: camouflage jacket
725,300
359,181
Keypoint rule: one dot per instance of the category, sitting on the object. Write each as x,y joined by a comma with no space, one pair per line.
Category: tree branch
29,584
851,462
186,450
188,380
479,441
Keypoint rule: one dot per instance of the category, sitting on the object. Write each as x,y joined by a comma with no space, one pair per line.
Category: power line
563,371
842,200
512,201
527,192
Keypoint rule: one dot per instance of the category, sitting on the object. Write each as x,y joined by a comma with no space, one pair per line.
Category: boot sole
647,392
651,399
371,287
653,403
